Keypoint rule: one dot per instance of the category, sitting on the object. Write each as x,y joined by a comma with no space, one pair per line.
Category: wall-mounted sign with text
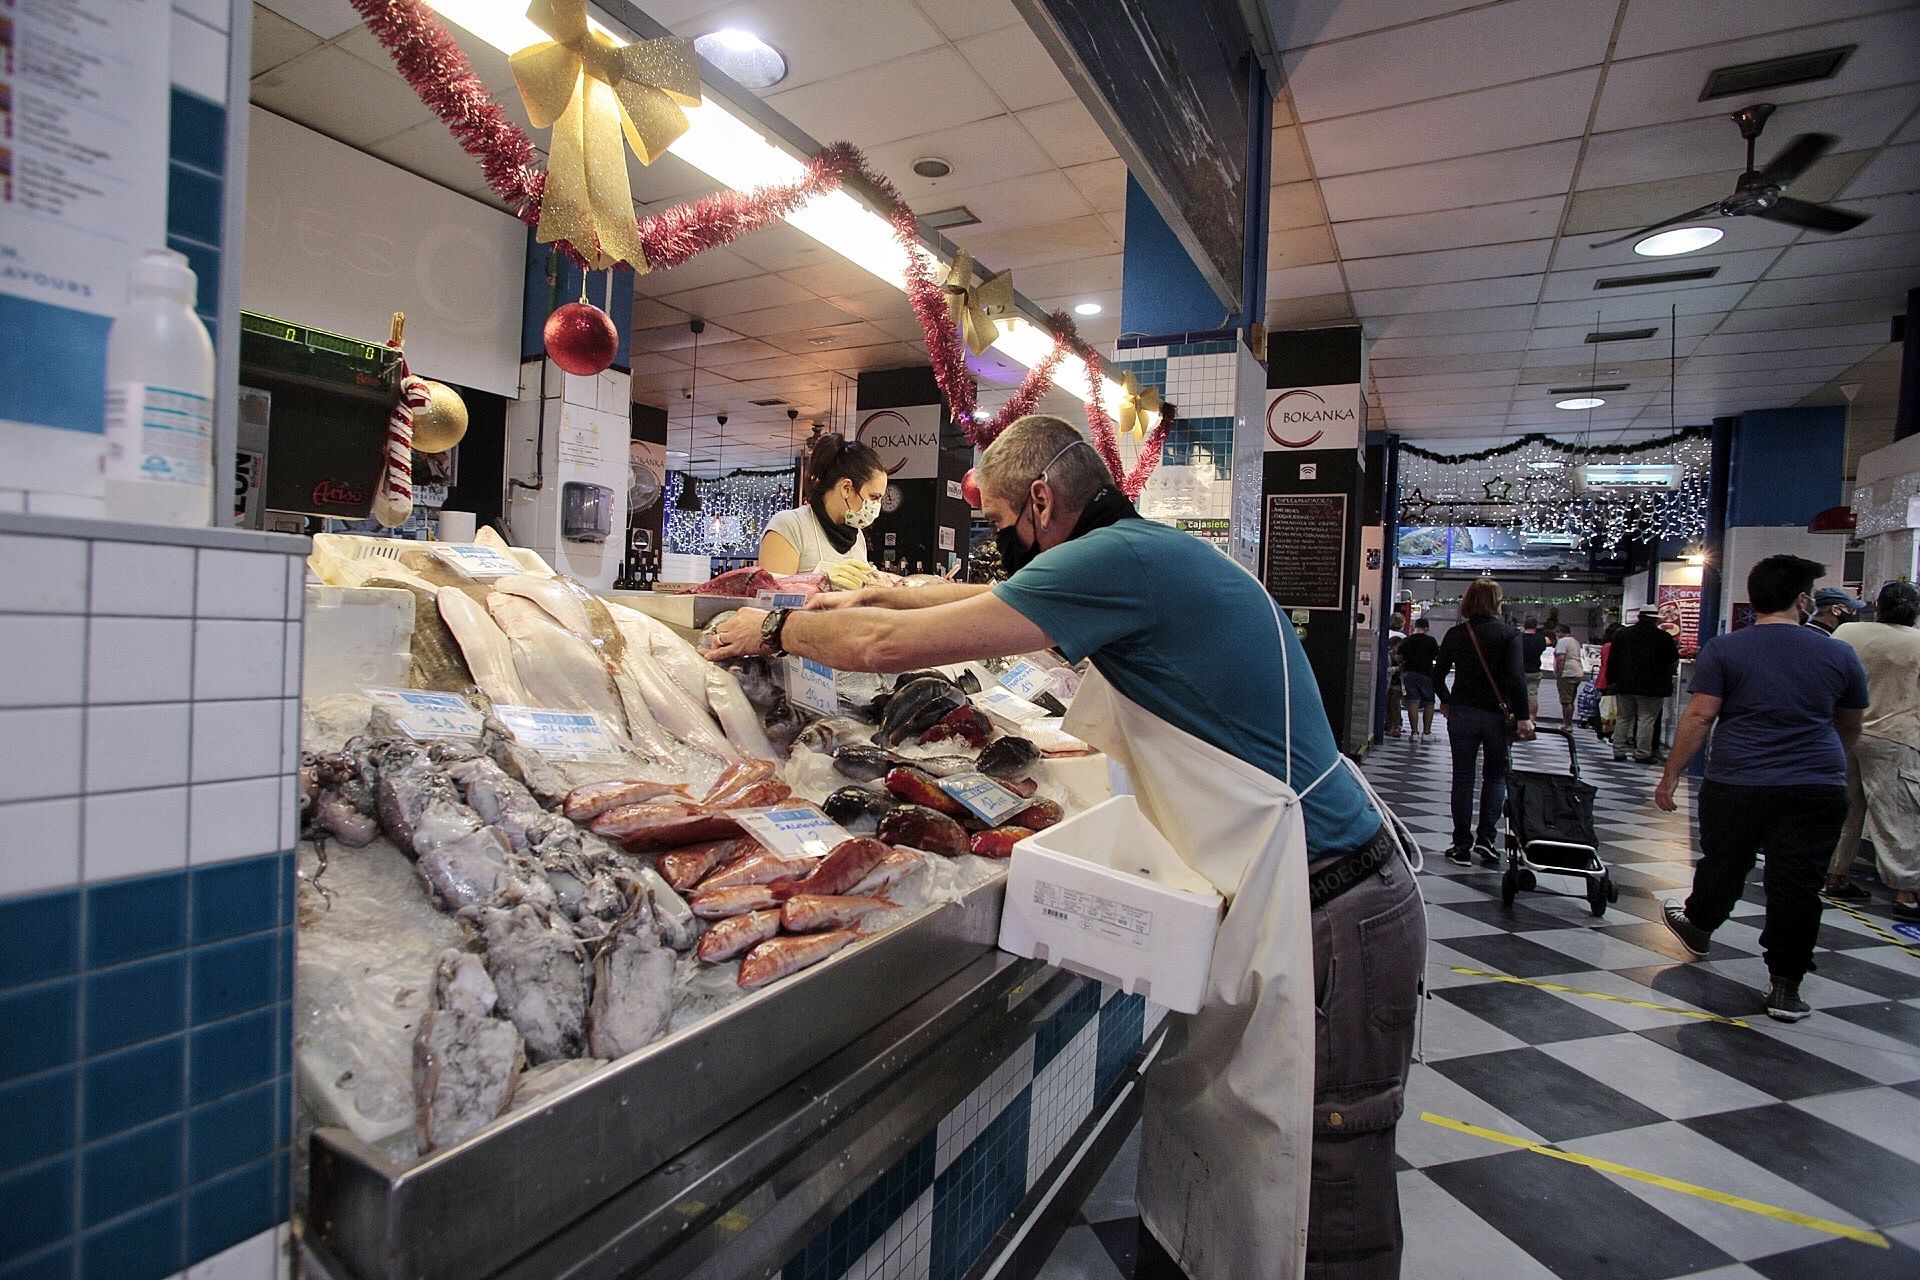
1315,417
907,440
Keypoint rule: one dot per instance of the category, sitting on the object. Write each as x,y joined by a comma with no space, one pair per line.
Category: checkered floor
1816,1120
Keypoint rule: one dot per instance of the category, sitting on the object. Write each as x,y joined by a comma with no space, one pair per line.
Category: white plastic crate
1104,895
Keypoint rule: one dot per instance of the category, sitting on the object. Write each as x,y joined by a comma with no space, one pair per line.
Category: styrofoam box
355,637
1104,895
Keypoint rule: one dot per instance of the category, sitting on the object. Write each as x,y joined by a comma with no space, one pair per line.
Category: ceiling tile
1796,316
885,303
1103,183
669,180
1853,251
833,278
1447,344
782,248
277,40
1486,46
1408,366
821,41
1448,381
834,340
1305,282
1450,229
1547,337
1483,262
1510,290
1738,235
1016,66
1622,208
1868,285
958,19
1890,215
892,100
1293,206
983,152
1319,309
1894,171
1688,147
325,18
796,315
335,93
1296,23
1654,26
715,266
679,336
1300,247
1076,275
1470,320
1497,119
1067,132
1728,268
1016,202
1522,174
723,355
430,151
1288,158
1463,399
1839,335
753,293
1083,237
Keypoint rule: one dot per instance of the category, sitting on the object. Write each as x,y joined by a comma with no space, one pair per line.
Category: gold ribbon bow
1139,410
591,90
978,309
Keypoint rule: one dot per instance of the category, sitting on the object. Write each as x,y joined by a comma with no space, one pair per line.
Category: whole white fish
551,594
737,716
558,668
680,660
488,652
677,713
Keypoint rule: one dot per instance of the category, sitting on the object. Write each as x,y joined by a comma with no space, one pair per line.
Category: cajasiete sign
907,440
1315,417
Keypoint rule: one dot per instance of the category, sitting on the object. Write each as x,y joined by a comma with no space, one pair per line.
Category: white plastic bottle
159,449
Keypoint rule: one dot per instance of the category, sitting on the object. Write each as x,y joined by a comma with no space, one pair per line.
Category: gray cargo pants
1369,946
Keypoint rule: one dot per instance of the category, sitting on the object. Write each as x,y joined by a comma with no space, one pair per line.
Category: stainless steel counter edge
168,535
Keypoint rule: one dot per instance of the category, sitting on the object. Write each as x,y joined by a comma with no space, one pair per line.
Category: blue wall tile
225,1212
134,1087
130,1172
40,1029
1122,1024
232,1055
145,1246
134,918
193,204
205,262
197,131
54,1264
235,898
36,1119
39,937
38,1208
848,1237
978,1193
1062,1027
231,1132
135,1002
233,977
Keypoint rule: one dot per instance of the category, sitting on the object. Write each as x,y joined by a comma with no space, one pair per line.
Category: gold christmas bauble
440,425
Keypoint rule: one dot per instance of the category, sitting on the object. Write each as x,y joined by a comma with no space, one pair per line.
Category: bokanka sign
1315,417
907,440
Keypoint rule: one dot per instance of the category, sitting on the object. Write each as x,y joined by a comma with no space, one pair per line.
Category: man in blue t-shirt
1784,703
1194,640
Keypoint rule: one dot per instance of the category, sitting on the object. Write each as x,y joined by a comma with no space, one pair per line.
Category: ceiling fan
1759,191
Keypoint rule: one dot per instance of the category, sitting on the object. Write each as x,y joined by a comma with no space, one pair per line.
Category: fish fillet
737,716
680,660
488,652
675,712
558,668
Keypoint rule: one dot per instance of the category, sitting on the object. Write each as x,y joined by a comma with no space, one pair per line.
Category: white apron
1227,1134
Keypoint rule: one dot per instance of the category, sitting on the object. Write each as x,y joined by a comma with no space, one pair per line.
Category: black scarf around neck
1109,506
839,536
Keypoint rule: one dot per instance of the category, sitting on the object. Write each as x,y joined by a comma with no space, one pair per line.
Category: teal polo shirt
1186,634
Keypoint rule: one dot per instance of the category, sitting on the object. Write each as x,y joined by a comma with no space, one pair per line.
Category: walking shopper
1395,690
1639,667
1417,653
1483,653
1886,758
1834,607
1783,703
1532,646
1569,672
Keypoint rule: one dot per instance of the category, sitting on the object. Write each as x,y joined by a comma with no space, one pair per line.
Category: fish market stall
602,944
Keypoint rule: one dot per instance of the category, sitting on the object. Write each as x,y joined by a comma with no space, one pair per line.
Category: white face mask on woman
863,515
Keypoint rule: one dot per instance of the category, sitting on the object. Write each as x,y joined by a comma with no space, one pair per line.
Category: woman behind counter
845,483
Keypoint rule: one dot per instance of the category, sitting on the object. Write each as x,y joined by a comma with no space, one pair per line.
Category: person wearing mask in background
1417,653
1884,777
845,483
1783,703
1483,653
1532,645
1569,671
1394,688
1639,667
1833,608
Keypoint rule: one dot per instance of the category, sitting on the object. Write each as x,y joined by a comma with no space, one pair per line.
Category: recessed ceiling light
744,57
1664,244
932,167
1580,402
1087,309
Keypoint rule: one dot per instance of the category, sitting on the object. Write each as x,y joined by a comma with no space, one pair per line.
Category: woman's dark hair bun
836,458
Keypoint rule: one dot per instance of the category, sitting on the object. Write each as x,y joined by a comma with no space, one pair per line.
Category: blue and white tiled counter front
149,740
934,1212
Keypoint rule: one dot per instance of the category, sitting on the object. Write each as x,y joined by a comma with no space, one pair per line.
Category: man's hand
738,636
1663,795
842,599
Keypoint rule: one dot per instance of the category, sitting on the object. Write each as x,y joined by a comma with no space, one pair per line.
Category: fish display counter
615,961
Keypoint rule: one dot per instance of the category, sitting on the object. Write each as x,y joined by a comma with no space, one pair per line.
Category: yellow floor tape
1863,1235
1884,933
1598,995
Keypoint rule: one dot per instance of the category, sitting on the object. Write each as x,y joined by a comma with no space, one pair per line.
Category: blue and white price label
477,561
810,685
559,735
793,831
989,801
780,599
1029,680
422,715
1006,707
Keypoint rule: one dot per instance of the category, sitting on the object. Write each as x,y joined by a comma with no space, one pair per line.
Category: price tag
946,538
477,561
421,714
793,831
810,685
1007,707
780,599
559,735
1028,679
989,801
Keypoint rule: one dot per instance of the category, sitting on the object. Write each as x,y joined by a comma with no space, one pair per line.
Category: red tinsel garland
438,72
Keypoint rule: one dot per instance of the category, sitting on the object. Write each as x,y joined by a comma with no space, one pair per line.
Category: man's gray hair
1014,461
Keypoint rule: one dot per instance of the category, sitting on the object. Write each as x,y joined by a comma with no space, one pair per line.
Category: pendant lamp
689,499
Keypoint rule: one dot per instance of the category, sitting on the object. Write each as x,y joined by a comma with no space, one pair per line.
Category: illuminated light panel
1580,402
1665,244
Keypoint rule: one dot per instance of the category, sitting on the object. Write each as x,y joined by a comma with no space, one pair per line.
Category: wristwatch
770,629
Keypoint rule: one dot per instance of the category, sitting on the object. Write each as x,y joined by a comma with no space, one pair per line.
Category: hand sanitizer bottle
159,448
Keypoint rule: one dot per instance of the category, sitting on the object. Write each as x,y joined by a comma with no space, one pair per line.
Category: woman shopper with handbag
1483,654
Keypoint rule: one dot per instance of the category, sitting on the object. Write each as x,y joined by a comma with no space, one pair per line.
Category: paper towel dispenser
586,512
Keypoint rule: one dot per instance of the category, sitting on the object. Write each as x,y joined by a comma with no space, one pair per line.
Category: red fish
775,959
999,842
915,787
759,795
727,938
595,798
1037,816
1022,787
718,904
685,868
894,867
810,912
758,868
846,865
738,777
642,827
919,827
966,723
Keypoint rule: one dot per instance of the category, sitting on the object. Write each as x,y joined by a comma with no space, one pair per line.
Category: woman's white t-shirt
801,528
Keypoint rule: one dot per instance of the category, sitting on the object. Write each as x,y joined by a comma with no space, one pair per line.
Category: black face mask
1015,555
1105,507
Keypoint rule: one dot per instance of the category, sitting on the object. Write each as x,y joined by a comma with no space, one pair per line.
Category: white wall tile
139,660
296,587
41,849
142,580
233,659
263,1257
212,12
198,59
241,584
583,391
13,500
136,833
42,575
236,739
138,745
42,659
39,755
234,820
293,644
289,734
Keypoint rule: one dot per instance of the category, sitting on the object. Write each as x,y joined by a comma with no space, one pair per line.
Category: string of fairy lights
734,511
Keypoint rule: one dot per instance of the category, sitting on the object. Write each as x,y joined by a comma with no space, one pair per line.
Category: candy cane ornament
393,501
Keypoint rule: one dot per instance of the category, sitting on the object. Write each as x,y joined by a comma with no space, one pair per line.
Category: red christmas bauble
581,338
970,489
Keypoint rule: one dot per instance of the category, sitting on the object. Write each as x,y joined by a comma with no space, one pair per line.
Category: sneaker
1846,892
1691,935
1486,853
1620,756
1907,911
1460,855
1783,1000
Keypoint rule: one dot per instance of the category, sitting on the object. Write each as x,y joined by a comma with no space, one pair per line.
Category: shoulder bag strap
1481,654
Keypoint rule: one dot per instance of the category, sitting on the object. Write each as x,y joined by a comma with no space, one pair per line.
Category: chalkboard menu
1306,548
